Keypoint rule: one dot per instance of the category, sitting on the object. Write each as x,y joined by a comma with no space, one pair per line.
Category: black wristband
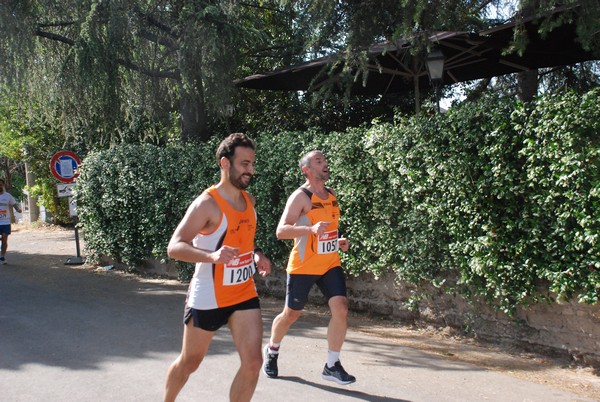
258,249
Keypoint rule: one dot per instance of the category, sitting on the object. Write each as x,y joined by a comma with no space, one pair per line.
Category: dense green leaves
491,199
131,198
26,138
104,69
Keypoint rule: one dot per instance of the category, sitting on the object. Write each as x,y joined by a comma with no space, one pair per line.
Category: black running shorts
212,320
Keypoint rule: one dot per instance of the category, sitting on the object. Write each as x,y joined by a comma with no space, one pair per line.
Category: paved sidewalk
71,333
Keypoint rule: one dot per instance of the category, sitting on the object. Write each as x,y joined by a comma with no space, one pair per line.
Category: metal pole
77,260
75,220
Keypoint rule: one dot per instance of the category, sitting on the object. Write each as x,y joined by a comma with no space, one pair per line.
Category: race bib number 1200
239,270
328,243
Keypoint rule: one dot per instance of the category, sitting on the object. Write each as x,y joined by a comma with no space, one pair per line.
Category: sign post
64,166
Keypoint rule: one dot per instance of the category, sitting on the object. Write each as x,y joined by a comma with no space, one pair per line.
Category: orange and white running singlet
221,285
312,254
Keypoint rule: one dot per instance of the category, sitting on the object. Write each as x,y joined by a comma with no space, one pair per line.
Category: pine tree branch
156,23
55,37
169,43
175,74
150,20
56,24
277,10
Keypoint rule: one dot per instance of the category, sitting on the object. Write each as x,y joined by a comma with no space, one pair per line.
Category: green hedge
130,198
492,199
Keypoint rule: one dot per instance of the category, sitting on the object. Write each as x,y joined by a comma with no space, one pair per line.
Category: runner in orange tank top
311,219
217,233
225,284
312,254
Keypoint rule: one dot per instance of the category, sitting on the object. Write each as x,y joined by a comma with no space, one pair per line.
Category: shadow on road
335,391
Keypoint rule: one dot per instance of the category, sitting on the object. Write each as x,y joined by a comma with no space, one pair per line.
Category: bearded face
239,179
241,169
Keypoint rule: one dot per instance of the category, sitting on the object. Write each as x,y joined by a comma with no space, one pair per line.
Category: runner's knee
190,363
339,307
291,316
252,364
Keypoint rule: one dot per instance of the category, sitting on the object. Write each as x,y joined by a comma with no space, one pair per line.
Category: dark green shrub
492,199
131,198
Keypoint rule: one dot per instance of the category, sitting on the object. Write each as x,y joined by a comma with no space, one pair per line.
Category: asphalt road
74,333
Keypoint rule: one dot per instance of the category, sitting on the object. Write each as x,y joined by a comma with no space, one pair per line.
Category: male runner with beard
217,233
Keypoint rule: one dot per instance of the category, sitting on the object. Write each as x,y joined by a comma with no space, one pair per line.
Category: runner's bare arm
202,214
17,208
297,205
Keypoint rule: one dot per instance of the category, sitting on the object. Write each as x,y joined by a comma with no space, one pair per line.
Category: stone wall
566,330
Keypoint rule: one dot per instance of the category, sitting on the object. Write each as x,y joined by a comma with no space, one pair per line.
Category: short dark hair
231,142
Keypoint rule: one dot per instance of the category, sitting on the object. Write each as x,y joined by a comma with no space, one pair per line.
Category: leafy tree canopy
114,71
107,70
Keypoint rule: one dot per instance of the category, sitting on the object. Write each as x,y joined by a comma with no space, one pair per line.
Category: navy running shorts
5,229
332,283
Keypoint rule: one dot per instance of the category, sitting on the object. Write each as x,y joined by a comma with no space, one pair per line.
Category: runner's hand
225,254
263,264
319,228
343,244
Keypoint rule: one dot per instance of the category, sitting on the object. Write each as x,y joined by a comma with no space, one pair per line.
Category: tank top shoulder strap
307,192
310,194
222,202
212,191
248,200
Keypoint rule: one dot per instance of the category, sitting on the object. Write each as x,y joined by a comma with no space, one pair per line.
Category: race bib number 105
328,243
239,270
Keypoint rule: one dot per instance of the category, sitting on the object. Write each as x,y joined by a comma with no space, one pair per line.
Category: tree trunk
6,169
193,116
34,210
194,127
527,85
527,80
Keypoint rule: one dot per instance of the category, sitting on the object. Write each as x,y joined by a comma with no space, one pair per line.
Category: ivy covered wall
494,199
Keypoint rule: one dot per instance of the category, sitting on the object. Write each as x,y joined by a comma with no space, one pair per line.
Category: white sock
332,357
274,345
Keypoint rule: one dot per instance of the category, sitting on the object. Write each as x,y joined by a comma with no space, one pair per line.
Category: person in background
7,202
